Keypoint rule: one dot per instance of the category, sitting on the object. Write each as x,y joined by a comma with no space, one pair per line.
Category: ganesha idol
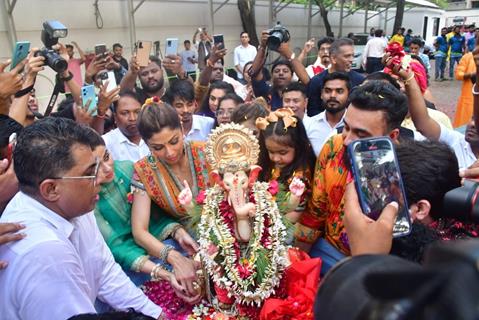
241,232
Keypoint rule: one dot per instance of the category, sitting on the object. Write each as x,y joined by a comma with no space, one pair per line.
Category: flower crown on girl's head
283,113
151,101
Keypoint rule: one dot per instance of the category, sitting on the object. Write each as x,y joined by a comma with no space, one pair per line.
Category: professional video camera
277,35
52,30
462,203
388,287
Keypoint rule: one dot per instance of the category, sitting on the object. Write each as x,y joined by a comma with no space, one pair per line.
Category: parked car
360,40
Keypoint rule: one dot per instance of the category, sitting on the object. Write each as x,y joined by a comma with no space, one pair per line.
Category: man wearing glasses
63,264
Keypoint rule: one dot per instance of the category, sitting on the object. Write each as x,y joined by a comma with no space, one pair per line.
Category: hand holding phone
143,51
219,41
378,180
171,47
89,96
19,53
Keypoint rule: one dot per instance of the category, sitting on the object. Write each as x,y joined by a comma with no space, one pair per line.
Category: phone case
143,50
100,49
171,47
88,93
111,81
19,53
378,180
217,39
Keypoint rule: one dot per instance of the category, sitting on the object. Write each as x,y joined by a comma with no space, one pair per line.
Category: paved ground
445,93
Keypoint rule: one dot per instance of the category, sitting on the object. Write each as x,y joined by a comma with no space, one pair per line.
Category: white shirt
187,65
121,148
200,128
457,142
317,63
61,267
319,130
374,49
242,55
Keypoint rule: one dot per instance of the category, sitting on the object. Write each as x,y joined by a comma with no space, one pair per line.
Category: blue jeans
329,255
452,61
440,66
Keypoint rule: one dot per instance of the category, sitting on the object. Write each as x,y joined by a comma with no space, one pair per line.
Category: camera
445,287
277,35
462,203
52,31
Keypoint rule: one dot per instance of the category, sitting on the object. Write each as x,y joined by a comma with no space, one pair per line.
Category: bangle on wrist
100,116
476,93
408,80
174,231
155,272
164,252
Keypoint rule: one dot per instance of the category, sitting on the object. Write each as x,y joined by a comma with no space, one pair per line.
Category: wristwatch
67,78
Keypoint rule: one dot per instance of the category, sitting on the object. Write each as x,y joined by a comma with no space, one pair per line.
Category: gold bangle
154,272
406,82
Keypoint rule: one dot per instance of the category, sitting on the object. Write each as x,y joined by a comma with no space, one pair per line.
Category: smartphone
88,93
143,51
378,180
19,53
171,47
12,141
219,41
156,48
110,77
100,49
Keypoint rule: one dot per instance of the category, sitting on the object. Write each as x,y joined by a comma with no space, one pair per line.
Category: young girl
285,154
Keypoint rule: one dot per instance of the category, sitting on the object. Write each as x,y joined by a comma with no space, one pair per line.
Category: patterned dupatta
163,186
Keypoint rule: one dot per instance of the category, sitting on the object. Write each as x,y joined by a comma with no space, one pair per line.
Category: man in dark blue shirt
342,55
458,44
441,54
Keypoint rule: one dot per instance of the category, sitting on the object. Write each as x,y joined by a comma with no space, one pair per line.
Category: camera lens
462,203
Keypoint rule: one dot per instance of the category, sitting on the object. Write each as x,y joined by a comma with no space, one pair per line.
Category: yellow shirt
397,38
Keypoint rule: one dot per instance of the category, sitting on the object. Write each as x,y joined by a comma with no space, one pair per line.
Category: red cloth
302,279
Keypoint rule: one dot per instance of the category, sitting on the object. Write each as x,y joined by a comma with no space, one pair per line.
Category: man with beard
375,109
125,142
151,79
334,95
341,54
181,95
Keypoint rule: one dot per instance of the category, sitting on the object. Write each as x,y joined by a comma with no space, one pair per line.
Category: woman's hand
185,272
180,291
186,242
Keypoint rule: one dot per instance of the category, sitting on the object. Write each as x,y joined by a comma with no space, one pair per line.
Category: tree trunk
248,20
324,15
399,15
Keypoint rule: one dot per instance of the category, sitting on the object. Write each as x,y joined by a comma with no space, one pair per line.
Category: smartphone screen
378,180
171,47
219,41
100,49
19,53
143,51
88,94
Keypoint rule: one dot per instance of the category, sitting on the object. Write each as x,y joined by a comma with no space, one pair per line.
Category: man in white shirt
181,95
242,54
466,147
294,97
373,52
125,142
334,94
189,59
63,264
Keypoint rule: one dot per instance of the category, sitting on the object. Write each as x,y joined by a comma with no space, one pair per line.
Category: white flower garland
227,275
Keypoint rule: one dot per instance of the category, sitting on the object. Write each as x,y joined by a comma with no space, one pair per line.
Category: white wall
157,20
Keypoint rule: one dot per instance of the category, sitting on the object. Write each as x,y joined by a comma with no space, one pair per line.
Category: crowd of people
89,197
